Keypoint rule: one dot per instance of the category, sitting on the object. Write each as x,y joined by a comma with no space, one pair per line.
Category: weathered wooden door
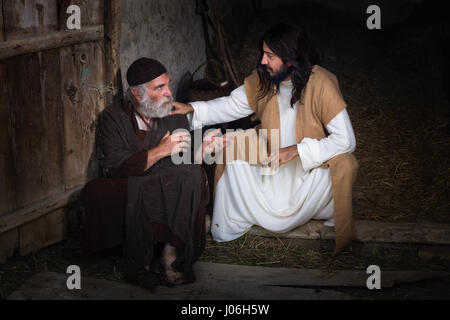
52,87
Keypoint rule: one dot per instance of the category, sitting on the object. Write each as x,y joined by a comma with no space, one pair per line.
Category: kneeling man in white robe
288,92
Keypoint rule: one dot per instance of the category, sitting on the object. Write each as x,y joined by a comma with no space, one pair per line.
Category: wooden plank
2,31
7,172
220,281
52,111
426,233
94,102
214,289
49,41
36,210
32,236
94,11
367,231
9,243
56,226
32,17
35,110
82,76
23,75
113,22
308,277
72,109
434,252
51,285
42,232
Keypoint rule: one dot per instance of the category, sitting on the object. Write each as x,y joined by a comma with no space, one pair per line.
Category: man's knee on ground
345,165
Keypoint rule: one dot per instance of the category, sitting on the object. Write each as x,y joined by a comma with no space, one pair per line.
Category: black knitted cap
144,70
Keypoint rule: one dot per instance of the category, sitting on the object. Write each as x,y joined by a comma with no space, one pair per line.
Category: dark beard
281,75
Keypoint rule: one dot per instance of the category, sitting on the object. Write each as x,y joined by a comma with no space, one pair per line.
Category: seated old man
311,144
156,207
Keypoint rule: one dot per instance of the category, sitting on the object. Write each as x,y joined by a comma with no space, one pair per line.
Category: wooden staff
228,62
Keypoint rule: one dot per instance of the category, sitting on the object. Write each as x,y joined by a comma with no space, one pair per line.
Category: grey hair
142,91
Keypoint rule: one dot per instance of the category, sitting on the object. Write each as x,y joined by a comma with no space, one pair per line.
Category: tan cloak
322,101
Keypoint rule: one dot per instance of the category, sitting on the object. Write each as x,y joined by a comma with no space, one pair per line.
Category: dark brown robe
141,208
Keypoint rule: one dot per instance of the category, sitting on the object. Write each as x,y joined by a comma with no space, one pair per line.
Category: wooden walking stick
227,59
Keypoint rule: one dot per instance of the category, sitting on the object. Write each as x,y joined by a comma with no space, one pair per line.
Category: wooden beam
9,243
2,32
49,41
366,231
434,252
51,285
225,282
82,83
224,48
42,232
294,277
426,233
36,130
36,210
113,22
7,164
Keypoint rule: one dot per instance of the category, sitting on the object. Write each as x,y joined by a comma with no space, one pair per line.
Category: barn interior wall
393,11
167,30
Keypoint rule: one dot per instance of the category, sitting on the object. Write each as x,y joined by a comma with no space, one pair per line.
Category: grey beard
155,109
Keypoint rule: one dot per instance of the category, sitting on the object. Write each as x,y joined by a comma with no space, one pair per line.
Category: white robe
297,193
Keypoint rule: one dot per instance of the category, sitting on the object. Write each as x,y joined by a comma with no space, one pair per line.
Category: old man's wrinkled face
158,102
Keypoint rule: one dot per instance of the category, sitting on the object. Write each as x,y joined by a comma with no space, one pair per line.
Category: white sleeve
220,110
314,153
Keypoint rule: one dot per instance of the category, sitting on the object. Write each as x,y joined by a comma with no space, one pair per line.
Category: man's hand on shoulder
181,108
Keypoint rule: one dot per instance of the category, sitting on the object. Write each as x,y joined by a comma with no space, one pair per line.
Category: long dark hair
292,45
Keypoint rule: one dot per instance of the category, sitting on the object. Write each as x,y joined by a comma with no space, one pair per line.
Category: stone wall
168,30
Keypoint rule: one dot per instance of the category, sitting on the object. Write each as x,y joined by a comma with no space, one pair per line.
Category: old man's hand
174,143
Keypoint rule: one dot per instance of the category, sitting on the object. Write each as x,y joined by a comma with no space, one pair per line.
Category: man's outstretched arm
220,110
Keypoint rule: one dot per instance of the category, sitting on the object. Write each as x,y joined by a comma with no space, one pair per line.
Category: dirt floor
253,251
394,81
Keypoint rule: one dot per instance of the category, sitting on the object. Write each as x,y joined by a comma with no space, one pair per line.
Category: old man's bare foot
168,257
